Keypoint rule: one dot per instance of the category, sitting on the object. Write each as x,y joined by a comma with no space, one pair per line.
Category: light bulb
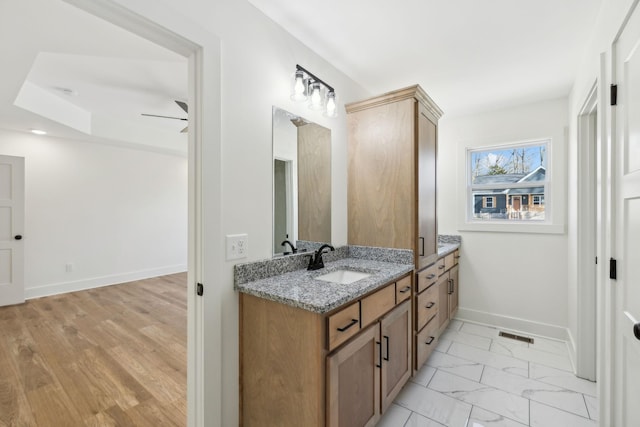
299,92
330,109
316,98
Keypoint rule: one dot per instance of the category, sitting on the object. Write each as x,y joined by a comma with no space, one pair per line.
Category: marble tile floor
475,378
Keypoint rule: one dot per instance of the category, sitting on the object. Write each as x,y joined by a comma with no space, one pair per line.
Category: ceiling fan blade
184,106
185,130
164,117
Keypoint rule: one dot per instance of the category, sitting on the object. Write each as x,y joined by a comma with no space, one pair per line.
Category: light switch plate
237,246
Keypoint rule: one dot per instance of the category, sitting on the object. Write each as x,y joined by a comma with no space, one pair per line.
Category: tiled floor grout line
492,341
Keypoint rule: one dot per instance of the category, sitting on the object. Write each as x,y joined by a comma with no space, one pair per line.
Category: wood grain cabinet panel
453,292
391,190
426,341
403,289
440,266
427,306
343,325
449,261
377,304
395,330
427,277
443,299
353,382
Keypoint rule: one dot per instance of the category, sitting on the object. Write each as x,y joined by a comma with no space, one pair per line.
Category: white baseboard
514,324
97,282
571,345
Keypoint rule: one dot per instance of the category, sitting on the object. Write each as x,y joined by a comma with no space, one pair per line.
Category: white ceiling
469,55
114,76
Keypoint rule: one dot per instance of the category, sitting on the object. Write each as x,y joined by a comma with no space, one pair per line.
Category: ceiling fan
182,105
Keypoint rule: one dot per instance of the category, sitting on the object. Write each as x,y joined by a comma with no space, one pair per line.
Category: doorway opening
587,237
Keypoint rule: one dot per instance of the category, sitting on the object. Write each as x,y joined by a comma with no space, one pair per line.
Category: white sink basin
343,277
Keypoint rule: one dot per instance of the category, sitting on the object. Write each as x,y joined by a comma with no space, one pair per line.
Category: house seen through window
508,183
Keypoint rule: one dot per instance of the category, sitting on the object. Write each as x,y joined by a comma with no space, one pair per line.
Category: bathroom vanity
316,352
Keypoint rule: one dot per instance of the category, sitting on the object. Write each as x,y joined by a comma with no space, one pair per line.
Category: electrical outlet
237,246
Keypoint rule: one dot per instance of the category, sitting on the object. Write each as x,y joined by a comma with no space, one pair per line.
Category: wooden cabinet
436,303
343,368
448,290
365,375
443,300
353,381
392,142
396,353
453,292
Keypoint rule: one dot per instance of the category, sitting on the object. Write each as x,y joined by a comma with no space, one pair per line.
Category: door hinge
199,289
614,94
613,269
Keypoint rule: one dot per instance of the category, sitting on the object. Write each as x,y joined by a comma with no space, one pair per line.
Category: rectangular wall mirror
301,182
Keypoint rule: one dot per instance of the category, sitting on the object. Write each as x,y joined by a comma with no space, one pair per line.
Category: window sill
510,227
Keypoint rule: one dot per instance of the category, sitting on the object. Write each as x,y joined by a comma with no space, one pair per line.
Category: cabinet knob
18,237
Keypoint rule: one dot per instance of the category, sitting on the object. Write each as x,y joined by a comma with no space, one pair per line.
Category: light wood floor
113,356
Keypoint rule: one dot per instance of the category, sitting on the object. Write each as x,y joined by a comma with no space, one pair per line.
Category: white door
626,386
11,229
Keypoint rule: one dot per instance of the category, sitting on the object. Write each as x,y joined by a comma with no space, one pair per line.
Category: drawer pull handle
379,344
387,356
405,290
344,328
431,276
456,256
430,340
441,267
431,304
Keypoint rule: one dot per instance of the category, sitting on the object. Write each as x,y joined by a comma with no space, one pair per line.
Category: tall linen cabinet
392,172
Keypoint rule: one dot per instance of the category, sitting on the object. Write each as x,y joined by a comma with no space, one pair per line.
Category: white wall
257,60
595,67
116,214
513,280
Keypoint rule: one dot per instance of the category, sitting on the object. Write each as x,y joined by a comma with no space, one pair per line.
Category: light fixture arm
314,78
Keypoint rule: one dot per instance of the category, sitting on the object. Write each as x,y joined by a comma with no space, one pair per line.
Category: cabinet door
453,295
353,381
396,352
443,299
427,248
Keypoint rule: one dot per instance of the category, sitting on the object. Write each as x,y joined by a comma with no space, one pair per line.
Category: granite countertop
447,248
286,279
300,288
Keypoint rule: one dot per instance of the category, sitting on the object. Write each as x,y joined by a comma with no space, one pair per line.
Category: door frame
161,25
589,196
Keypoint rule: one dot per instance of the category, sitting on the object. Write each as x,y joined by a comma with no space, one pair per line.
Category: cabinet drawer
427,277
343,325
427,306
403,289
456,256
426,341
440,266
449,261
377,304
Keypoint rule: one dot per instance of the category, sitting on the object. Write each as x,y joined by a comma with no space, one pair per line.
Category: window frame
470,223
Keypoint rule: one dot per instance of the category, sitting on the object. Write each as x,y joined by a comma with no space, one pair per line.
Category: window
508,183
489,201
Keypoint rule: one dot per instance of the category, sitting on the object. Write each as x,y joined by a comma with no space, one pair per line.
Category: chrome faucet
293,248
315,260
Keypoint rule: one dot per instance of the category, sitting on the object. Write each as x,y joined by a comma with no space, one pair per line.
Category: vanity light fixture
306,86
